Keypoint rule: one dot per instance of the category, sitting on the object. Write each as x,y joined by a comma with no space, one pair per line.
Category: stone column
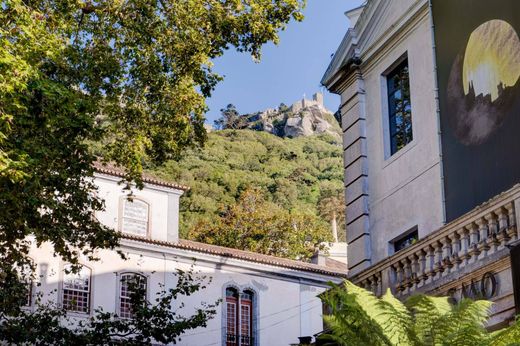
353,120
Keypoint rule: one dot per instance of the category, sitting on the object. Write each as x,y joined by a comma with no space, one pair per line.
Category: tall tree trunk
334,227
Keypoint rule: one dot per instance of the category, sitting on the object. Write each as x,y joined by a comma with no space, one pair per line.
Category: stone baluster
446,255
483,231
399,277
438,268
373,288
464,246
511,221
430,263
407,275
455,250
473,242
492,239
376,284
502,236
414,270
421,273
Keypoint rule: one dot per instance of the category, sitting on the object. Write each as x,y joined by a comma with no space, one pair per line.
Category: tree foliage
161,320
359,318
132,75
257,225
230,119
294,174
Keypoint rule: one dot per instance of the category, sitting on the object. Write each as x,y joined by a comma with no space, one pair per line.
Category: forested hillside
300,176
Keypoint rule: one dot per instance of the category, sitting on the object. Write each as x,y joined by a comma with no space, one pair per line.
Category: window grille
76,290
239,318
135,217
129,282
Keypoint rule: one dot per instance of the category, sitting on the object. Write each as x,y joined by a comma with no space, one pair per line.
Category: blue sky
287,71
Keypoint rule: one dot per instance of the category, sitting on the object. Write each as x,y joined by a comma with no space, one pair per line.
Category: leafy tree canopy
256,225
130,74
296,175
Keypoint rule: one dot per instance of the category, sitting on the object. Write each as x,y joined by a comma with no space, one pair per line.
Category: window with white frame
130,284
76,290
239,317
135,217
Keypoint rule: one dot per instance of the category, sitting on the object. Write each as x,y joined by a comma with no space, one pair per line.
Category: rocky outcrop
303,118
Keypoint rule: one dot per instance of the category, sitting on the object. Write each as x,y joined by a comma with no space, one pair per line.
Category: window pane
76,290
135,217
129,283
399,109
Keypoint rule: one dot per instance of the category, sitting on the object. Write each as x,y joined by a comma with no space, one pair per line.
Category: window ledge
389,160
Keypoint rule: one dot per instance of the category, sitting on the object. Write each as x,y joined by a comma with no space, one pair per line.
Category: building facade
429,181
264,300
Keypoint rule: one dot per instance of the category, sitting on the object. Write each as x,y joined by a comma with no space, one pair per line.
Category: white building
409,226
265,300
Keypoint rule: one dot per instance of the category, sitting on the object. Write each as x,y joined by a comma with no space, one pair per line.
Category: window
246,318
399,107
239,317
129,283
76,290
135,217
231,317
408,239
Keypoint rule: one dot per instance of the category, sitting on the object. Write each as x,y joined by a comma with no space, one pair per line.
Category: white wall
288,306
404,190
163,201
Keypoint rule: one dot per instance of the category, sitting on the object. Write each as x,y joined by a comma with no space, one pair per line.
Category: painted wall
164,215
287,306
287,303
403,190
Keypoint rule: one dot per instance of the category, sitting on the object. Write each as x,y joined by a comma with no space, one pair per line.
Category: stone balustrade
482,232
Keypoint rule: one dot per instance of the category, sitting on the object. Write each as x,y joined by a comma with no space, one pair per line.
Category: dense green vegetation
294,174
358,317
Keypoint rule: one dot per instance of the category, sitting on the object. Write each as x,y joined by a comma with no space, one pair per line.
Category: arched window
239,317
231,317
246,318
130,284
135,217
76,290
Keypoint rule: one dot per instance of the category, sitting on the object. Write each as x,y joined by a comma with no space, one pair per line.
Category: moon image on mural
483,82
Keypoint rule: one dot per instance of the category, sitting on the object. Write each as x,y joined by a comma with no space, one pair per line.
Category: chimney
319,258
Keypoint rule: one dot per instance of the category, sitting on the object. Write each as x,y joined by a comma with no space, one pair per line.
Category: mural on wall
478,66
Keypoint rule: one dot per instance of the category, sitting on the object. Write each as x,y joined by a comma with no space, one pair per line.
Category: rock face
303,118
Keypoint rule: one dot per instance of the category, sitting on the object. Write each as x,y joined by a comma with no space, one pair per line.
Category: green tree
295,174
257,225
155,321
230,119
331,207
131,75
360,318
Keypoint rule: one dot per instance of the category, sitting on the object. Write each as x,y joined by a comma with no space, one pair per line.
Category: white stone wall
287,302
288,306
388,195
163,201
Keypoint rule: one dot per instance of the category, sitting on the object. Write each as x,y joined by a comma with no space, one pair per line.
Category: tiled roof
337,265
111,169
335,270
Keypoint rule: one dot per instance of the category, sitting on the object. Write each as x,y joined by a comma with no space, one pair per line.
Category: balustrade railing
478,234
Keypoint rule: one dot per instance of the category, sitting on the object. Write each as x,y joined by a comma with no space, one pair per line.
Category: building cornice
115,171
220,256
